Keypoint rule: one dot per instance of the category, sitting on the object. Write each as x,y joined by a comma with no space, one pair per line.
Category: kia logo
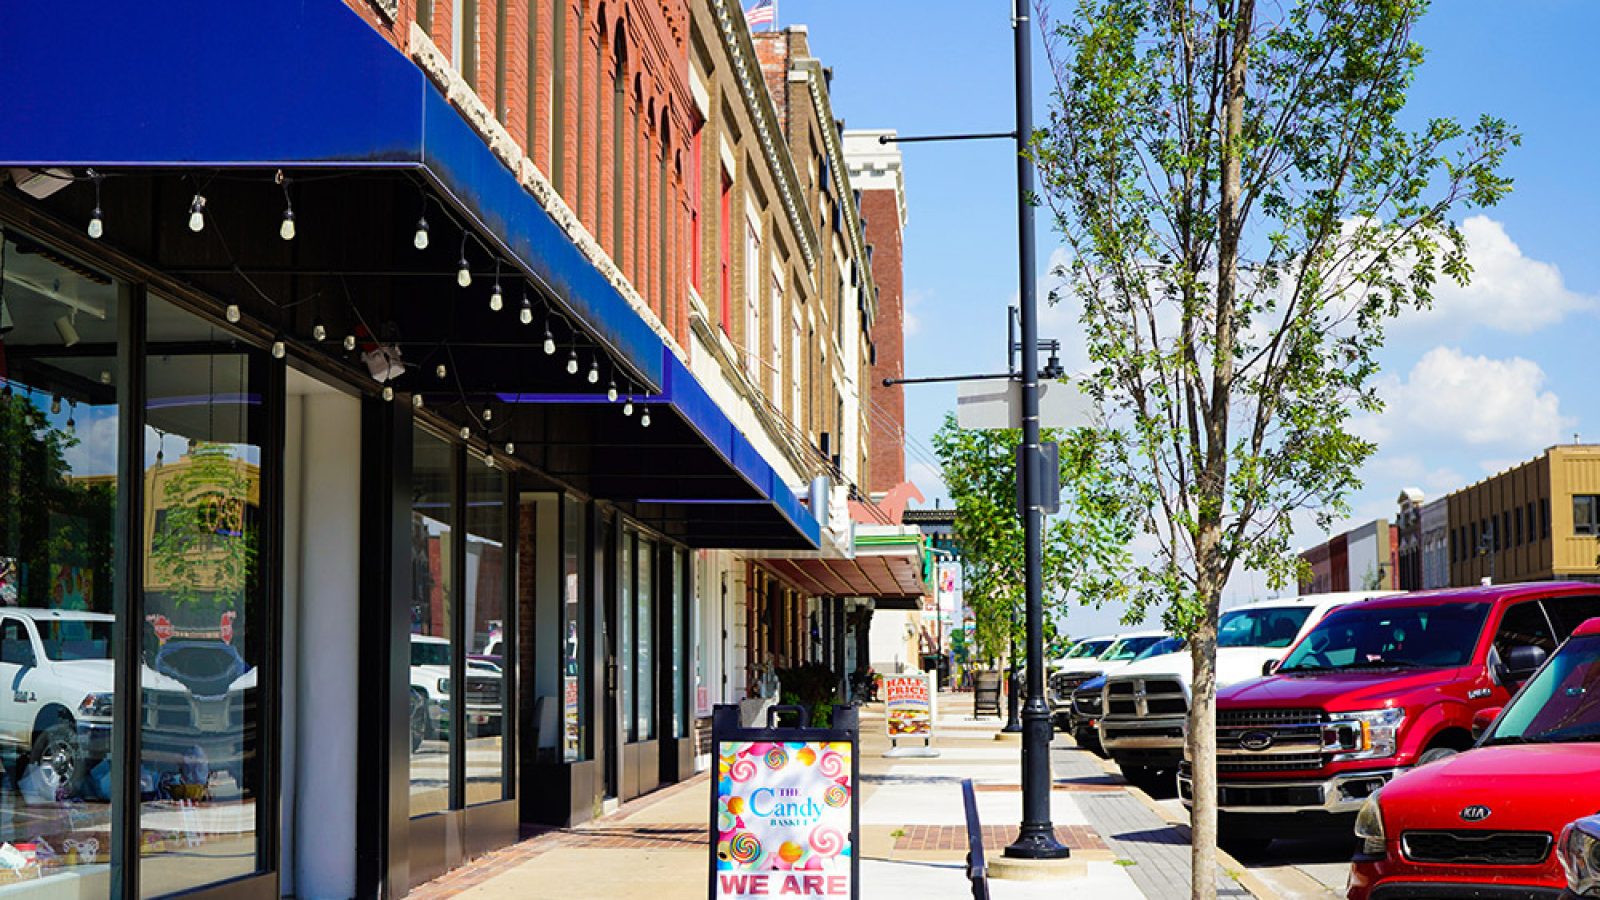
1255,740
1475,813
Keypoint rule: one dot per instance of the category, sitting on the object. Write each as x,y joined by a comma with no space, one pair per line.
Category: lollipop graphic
790,852
826,841
742,770
777,757
836,796
745,848
807,756
831,764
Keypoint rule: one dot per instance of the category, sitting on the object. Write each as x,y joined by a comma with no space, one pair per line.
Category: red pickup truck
1483,824
1374,689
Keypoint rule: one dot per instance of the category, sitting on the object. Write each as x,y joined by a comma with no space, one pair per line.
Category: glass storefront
59,463
645,711
200,759
678,609
484,596
574,689
433,515
629,641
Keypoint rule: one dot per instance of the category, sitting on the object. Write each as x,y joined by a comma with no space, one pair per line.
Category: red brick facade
881,211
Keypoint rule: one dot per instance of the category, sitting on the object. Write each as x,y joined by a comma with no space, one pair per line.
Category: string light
463,272
466,433
611,392
526,315
489,459
279,349
72,413
319,332
197,214
55,404
286,230
349,342
388,392
627,407
97,226
420,241
488,414
549,341
416,401
572,362
497,301
594,371
440,371
232,313
644,418
511,449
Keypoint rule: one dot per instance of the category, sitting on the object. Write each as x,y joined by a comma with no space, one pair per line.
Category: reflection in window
573,690
200,762
432,589
484,595
645,719
58,500
676,609
625,655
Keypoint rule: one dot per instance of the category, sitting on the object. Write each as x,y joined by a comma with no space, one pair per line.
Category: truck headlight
1579,852
1369,827
444,686
96,706
1369,734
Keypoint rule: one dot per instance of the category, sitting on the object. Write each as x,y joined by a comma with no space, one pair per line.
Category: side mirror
1270,666
1522,661
1482,719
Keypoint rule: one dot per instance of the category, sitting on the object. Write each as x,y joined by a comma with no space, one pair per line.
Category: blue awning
193,84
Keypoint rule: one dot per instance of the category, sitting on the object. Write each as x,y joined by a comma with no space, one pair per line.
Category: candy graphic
831,764
736,805
745,848
826,841
836,796
789,851
807,756
743,770
777,757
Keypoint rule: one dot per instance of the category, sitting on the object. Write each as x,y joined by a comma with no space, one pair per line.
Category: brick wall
881,210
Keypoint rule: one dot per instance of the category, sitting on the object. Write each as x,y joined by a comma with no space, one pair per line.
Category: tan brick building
1538,520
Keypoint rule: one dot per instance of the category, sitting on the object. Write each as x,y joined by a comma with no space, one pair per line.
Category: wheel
420,725
1434,755
55,750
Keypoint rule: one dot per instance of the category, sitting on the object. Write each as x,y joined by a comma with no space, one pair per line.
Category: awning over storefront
195,87
886,568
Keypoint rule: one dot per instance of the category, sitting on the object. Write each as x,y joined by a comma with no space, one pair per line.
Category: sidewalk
913,831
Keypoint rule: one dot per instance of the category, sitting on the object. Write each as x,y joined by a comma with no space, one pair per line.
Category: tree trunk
1202,746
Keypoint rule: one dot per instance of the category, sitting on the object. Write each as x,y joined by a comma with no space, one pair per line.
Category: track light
197,214
441,371
349,342
526,315
549,341
67,329
572,362
319,332
420,240
231,313
611,392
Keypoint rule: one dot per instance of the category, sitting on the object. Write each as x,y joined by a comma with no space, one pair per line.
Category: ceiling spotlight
197,214
388,392
420,241
440,371
349,342
611,392
278,349
497,301
549,341
319,332
105,376
232,313
67,330
526,314
572,362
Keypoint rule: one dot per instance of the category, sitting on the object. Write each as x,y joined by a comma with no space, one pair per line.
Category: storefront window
573,689
432,600
644,715
204,632
58,506
484,596
625,657
679,611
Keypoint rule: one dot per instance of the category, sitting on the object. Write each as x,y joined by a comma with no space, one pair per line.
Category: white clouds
1452,398
1508,292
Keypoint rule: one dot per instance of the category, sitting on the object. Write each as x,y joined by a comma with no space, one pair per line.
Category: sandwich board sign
908,703
784,816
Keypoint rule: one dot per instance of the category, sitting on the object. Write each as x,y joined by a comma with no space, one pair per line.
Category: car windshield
1561,703
1366,637
1129,648
1088,649
1271,627
425,653
71,640
1164,645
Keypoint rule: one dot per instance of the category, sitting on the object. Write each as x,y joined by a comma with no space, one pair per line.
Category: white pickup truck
1089,659
1146,703
430,692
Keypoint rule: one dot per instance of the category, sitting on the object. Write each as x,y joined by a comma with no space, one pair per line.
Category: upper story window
752,301
1585,514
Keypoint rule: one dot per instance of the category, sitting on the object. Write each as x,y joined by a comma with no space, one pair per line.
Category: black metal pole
1036,837
1013,683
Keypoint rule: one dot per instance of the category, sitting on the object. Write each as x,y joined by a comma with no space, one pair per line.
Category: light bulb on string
72,416
349,342
232,313
388,392
611,392
627,407
441,371
489,459
420,240
497,300
197,214
466,433
97,225
463,271
549,341
594,371
55,404
572,362
511,449
286,229
525,315
644,418
279,349
319,332
488,414
416,401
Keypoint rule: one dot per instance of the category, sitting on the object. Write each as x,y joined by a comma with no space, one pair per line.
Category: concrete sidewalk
912,843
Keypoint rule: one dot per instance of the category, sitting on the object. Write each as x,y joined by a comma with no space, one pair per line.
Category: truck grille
1276,762
1269,740
1062,684
1087,703
1490,848
483,691
1137,698
1268,718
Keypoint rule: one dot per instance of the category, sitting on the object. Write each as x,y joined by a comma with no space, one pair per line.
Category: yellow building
1539,520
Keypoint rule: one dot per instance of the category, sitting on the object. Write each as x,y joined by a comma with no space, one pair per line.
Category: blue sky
1490,377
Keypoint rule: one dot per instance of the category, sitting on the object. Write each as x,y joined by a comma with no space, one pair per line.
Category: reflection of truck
1372,691
1146,704
1485,822
430,692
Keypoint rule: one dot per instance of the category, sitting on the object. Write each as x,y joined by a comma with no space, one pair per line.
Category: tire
1434,754
56,749
420,720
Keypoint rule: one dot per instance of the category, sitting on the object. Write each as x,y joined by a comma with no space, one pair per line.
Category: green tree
1245,208
206,547
1083,547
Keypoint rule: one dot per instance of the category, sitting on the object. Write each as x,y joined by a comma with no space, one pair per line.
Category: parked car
1484,822
1084,720
1372,691
430,692
1090,659
1146,704
1579,853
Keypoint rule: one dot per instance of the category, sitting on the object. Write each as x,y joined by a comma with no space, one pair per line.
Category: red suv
1376,688
1483,824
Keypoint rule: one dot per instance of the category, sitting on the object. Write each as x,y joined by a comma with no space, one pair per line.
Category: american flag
764,12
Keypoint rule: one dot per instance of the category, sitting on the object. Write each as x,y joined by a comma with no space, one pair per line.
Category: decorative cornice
759,102
841,177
